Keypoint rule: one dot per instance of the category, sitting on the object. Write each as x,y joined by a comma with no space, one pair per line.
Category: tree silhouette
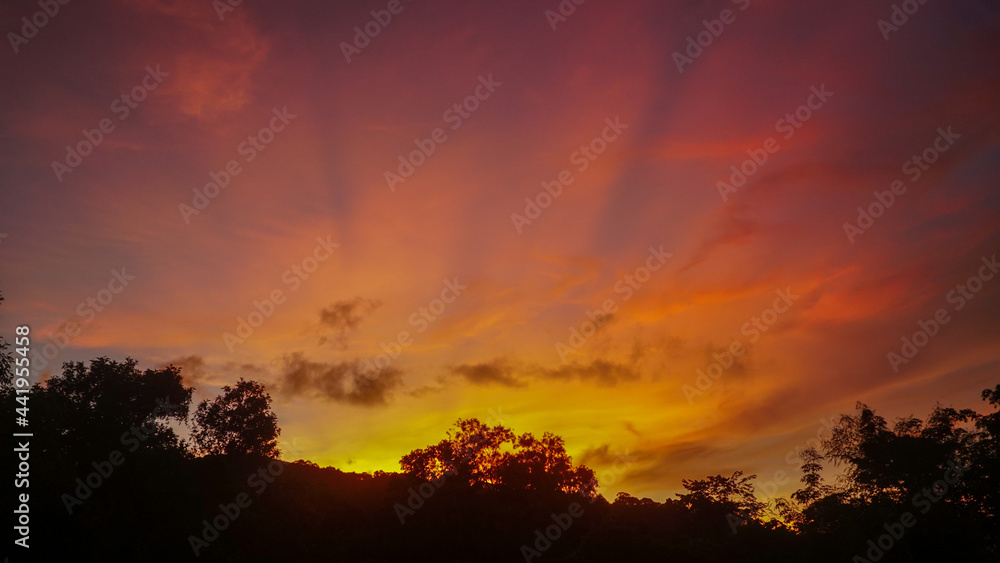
503,492
6,361
544,465
118,392
717,493
494,457
89,406
811,477
239,422
886,465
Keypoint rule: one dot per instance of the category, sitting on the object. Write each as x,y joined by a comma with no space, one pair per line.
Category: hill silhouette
112,480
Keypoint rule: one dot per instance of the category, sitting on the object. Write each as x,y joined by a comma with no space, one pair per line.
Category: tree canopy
486,456
906,491
239,422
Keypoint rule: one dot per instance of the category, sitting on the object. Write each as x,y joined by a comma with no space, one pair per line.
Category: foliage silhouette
485,456
480,494
240,422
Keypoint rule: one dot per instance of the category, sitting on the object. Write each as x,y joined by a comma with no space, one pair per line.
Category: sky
684,258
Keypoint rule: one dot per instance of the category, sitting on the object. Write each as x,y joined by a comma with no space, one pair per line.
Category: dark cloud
601,372
247,371
496,372
192,368
661,463
343,317
196,372
500,371
425,390
741,365
344,382
600,456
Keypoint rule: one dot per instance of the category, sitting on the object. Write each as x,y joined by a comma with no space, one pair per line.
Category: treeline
112,478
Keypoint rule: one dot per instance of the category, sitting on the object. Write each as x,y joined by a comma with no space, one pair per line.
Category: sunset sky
356,257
